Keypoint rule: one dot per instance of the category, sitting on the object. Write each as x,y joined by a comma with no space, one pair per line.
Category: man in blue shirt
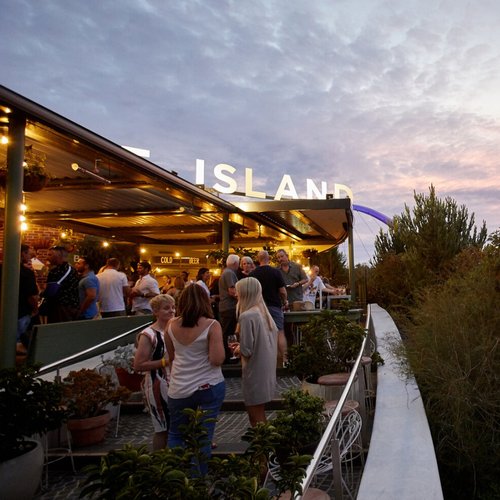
88,289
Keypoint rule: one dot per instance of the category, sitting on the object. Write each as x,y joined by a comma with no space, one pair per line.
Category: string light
22,216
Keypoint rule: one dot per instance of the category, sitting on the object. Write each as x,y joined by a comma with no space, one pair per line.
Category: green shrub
169,474
453,350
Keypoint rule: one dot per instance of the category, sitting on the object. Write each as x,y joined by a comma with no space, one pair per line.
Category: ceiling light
4,139
77,168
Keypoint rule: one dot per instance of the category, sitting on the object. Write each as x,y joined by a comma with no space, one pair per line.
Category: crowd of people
182,352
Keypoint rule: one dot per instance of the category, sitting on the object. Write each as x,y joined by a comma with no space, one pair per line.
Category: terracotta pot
88,431
131,381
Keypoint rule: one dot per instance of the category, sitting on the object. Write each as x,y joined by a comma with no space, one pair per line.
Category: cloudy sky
385,97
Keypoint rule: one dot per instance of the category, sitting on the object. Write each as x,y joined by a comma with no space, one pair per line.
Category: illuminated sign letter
284,190
249,185
200,172
346,189
231,183
313,191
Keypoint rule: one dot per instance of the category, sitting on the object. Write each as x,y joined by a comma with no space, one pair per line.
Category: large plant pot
89,431
131,381
20,477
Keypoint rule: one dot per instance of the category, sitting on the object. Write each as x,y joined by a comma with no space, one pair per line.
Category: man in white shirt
146,287
113,290
314,286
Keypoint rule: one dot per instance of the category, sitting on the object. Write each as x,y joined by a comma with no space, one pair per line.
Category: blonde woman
258,349
151,357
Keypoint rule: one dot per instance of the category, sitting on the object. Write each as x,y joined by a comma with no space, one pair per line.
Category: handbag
52,287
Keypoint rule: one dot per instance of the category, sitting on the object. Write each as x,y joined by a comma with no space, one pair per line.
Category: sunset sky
385,97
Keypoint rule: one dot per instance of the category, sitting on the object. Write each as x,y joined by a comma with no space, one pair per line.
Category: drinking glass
232,342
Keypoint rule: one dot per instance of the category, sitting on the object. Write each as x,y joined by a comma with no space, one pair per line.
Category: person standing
227,300
61,291
196,351
315,286
202,279
88,290
293,275
257,348
151,357
176,289
28,295
274,295
146,287
247,265
113,290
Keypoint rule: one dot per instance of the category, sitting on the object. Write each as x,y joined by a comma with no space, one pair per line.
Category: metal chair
344,448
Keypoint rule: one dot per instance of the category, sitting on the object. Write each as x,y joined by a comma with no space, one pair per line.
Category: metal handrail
330,428
56,364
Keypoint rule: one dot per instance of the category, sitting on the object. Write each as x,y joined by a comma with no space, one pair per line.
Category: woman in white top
151,357
202,279
196,350
258,349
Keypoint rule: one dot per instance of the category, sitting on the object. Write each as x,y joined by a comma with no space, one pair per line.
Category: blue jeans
22,325
209,400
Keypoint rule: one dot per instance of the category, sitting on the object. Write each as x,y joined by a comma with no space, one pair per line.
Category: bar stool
55,454
310,494
349,406
333,384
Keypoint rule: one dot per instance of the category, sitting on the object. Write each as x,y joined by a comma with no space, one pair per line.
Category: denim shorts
277,315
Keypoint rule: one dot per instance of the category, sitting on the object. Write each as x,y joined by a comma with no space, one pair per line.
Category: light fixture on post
77,168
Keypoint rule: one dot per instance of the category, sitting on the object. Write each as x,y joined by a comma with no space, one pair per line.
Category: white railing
327,438
85,353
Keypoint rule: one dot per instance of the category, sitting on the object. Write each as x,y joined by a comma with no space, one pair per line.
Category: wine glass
232,342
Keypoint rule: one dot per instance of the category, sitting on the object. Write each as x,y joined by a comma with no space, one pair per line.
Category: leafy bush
453,350
28,406
329,343
168,474
87,393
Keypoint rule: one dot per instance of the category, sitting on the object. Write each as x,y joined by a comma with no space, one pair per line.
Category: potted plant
329,344
86,394
299,427
35,176
300,423
28,406
123,364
